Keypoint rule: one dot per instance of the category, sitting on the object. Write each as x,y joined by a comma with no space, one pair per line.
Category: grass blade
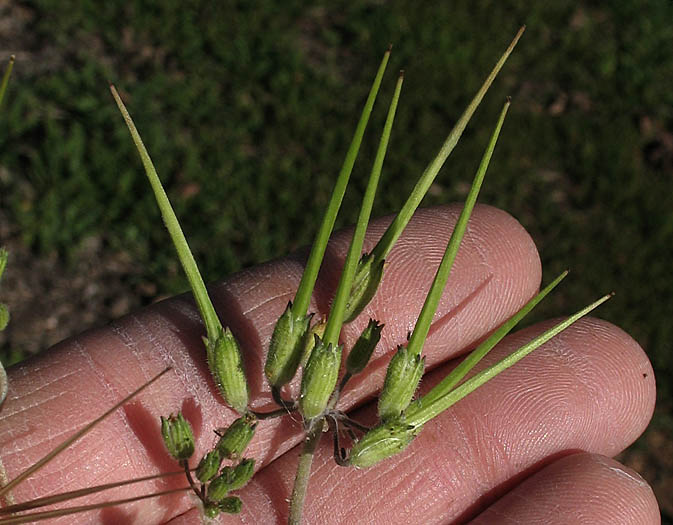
65,444
48,514
5,77
74,494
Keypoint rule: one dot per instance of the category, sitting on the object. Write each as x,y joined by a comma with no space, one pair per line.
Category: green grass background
247,109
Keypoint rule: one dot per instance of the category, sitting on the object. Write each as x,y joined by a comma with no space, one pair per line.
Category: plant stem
304,470
5,77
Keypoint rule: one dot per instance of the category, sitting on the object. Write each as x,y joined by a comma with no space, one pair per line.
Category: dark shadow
490,497
116,516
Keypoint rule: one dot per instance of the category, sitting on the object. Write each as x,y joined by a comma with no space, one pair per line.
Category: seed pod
309,339
178,437
382,442
226,366
402,377
209,466
218,489
210,510
368,276
237,477
286,347
234,440
364,347
230,505
319,378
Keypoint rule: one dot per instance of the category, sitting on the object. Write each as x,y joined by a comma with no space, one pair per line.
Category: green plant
317,347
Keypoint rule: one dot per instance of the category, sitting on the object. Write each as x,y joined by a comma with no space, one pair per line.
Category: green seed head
218,488
209,466
237,477
319,378
286,347
178,437
230,505
381,442
234,440
367,279
226,366
364,347
402,377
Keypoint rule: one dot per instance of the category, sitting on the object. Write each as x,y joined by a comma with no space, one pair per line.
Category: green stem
400,221
308,278
304,471
210,319
432,299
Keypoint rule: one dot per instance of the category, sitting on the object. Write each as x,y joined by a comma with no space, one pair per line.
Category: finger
591,388
496,271
580,488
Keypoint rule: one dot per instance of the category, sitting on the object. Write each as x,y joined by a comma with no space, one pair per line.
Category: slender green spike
66,443
432,299
5,79
305,289
210,319
429,406
395,229
4,320
338,311
445,386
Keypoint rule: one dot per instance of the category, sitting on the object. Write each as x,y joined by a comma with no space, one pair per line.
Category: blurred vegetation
247,110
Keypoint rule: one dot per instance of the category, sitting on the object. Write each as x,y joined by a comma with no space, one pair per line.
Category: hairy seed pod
226,366
286,347
381,442
210,510
319,378
230,505
368,276
218,489
309,340
234,440
364,347
402,377
209,466
178,437
237,477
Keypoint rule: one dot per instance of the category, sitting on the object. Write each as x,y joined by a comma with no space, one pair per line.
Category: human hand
532,445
